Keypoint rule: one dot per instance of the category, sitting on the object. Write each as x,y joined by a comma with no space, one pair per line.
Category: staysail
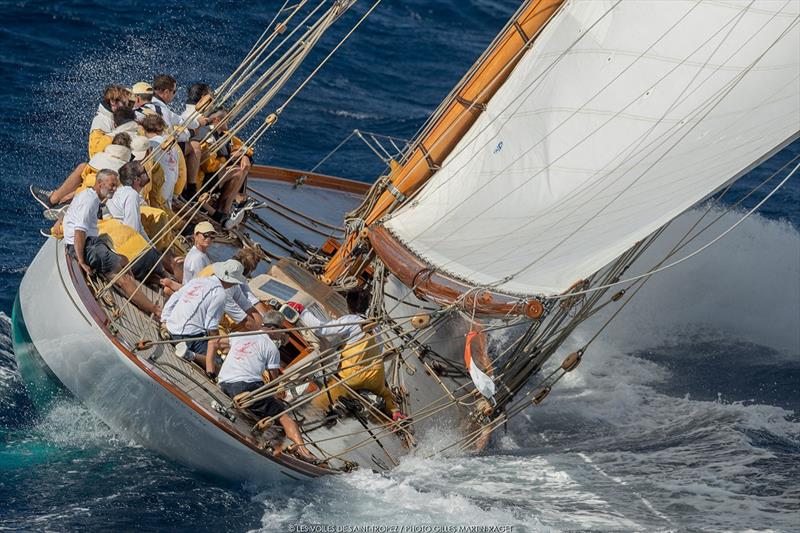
620,116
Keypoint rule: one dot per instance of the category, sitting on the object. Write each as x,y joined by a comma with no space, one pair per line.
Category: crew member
196,260
196,309
243,371
81,236
361,365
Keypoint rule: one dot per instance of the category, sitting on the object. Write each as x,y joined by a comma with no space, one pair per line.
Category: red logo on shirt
191,294
244,349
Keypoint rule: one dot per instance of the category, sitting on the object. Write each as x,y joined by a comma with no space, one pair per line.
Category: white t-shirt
193,263
169,162
340,330
238,301
125,206
170,117
248,357
194,122
81,214
196,308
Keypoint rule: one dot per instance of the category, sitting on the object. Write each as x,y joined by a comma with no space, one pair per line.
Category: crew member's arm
274,374
211,351
168,307
80,244
213,318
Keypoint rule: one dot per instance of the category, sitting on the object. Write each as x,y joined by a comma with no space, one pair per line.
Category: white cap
230,271
139,146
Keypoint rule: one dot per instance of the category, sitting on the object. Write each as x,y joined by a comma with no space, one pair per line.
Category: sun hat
139,146
230,271
123,153
204,227
141,87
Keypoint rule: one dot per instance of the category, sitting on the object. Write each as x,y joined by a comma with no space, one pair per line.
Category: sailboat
523,206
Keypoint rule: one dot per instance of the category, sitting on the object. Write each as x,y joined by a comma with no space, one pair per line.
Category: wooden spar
432,285
457,116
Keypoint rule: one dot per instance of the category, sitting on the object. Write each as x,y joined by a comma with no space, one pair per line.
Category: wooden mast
457,116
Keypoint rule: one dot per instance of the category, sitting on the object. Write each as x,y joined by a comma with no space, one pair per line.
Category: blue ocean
683,417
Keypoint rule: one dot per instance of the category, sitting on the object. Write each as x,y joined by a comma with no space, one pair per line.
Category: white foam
746,286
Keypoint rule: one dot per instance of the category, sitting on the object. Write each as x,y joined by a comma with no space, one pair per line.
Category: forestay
621,116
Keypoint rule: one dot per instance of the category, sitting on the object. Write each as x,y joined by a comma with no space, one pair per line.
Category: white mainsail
622,115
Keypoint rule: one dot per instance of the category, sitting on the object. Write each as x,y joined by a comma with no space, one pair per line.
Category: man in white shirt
196,309
127,201
249,356
241,305
196,260
92,253
154,127
164,89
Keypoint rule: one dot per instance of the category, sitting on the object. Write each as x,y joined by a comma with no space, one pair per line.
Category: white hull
122,390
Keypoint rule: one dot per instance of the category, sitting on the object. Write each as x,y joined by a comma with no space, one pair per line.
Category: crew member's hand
86,268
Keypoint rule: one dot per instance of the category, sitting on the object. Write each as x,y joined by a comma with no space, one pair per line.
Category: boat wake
681,415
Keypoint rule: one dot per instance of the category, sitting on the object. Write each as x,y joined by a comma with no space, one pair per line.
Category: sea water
682,415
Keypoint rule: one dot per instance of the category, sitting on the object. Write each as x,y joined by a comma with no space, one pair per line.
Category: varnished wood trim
316,180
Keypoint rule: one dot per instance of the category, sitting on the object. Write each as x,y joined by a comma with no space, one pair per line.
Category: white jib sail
621,116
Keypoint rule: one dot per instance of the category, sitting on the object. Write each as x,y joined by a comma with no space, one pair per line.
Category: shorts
144,263
98,255
262,409
196,346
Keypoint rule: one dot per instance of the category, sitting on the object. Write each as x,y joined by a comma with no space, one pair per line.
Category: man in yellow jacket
361,366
